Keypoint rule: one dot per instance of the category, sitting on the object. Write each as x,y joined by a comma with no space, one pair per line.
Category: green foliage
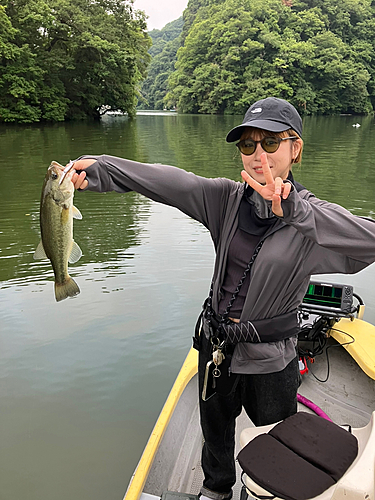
319,54
18,75
189,15
65,59
165,44
160,38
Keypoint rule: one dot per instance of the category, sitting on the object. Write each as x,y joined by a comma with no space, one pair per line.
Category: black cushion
319,441
300,457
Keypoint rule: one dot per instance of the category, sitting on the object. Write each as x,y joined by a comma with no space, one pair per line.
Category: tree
83,56
165,44
319,54
19,76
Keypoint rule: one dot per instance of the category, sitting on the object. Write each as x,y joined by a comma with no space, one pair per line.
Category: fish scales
56,223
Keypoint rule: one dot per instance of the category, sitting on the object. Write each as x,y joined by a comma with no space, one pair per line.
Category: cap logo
256,110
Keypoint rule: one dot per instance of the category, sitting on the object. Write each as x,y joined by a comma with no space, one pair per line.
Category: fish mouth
54,164
63,173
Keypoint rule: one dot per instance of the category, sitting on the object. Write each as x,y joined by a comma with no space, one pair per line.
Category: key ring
215,341
219,345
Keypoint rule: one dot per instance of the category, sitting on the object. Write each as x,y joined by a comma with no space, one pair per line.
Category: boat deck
348,397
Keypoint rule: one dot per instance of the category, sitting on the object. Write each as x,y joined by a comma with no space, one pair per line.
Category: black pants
267,398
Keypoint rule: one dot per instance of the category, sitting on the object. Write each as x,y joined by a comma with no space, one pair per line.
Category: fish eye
54,176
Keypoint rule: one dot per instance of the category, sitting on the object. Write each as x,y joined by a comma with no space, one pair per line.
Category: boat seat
306,456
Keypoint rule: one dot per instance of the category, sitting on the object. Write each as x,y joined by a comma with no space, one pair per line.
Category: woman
270,235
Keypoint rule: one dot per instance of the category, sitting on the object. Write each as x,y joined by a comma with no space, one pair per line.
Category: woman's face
280,162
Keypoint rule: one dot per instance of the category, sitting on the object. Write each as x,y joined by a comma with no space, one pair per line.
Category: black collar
248,219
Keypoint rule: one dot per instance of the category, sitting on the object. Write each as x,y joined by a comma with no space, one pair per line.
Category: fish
56,226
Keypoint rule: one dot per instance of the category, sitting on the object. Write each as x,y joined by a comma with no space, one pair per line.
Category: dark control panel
328,297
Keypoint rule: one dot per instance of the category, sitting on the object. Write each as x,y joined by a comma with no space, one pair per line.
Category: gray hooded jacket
313,237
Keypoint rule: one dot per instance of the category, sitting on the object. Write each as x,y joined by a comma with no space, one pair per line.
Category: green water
83,381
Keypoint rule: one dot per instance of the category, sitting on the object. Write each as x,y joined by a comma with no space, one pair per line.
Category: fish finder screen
323,295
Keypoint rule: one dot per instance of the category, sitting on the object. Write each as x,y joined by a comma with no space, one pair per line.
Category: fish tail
68,288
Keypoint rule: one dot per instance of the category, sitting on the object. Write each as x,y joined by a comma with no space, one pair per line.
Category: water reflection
82,381
338,163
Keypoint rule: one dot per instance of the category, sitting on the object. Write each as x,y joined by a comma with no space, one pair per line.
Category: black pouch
206,343
197,332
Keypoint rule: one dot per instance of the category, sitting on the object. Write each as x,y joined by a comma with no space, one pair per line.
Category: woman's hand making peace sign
274,189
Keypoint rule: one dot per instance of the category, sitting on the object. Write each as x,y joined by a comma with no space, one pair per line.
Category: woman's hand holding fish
78,178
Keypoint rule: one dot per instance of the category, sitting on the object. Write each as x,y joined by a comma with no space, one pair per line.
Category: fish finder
328,298
323,305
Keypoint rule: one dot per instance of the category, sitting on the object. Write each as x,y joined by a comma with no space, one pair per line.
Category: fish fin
75,253
40,252
76,213
67,289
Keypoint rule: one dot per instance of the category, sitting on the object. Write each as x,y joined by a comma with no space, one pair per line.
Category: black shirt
250,230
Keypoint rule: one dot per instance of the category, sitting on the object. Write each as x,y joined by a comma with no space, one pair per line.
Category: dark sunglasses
269,144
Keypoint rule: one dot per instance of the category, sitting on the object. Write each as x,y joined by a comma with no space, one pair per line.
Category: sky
161,12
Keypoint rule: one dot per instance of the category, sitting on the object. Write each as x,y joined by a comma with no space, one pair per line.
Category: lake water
82,381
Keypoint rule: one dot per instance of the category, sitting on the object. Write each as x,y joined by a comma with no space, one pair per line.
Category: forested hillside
319,54
69,59
165,43
65,59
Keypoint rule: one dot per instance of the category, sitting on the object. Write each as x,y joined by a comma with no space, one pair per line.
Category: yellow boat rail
187,372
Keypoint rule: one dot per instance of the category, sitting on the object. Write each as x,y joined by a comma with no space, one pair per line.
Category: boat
338,383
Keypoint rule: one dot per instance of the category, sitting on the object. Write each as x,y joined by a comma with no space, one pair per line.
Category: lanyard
225,315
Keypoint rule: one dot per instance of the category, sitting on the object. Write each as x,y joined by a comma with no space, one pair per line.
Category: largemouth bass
56,225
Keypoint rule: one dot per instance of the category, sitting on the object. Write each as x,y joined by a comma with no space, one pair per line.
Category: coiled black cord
329,347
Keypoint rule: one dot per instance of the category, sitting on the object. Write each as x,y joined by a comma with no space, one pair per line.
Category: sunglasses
269,144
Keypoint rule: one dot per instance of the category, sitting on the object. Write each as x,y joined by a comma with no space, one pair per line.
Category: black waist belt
261,330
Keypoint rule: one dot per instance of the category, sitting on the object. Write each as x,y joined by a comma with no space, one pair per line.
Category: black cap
273,114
